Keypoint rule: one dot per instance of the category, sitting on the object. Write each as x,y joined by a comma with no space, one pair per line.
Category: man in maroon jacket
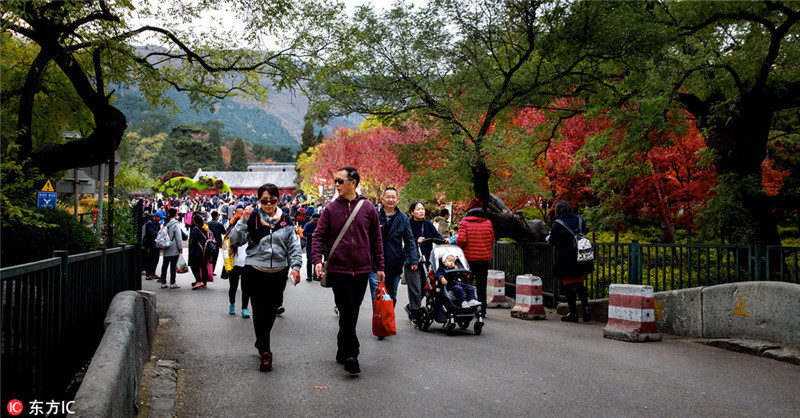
476,238
352,260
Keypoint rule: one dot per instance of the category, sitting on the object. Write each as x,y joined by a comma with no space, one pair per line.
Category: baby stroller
440,304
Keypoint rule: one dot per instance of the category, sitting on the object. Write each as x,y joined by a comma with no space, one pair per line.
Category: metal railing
52,317
663,266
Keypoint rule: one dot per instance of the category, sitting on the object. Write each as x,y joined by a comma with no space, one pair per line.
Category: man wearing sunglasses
352,260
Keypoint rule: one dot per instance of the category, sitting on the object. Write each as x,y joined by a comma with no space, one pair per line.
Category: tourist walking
273,248
399,248
442,223
354,251
218,229
173,252
151,253
201,249
308,232
421,229
476,238
239,255
571,273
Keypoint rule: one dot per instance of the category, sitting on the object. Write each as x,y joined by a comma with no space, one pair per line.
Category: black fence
663,266
52,316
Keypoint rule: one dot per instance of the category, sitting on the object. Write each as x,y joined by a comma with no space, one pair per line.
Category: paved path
514,368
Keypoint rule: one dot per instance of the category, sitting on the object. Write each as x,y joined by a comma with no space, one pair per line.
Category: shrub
26,243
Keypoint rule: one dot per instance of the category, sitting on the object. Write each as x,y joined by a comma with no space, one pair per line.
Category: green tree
216,137
152,124
731,65
166,159
238,156
465,65
92,44
307,138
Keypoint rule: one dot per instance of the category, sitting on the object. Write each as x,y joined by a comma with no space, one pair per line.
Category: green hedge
25,243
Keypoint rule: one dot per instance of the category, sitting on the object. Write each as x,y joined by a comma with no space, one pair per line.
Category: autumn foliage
373,151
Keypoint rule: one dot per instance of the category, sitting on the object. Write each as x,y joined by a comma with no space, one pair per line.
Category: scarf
262,225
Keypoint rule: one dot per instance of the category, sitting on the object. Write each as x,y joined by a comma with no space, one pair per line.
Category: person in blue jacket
398,244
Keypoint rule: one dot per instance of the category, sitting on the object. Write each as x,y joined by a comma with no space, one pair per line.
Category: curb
111,385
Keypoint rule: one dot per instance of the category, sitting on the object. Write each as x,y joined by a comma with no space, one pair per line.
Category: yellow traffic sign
48,187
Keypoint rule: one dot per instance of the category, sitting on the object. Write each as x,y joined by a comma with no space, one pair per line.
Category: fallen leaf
321,387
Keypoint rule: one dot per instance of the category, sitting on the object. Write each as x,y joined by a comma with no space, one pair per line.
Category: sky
227,19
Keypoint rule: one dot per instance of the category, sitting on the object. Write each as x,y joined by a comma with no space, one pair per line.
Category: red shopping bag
383,313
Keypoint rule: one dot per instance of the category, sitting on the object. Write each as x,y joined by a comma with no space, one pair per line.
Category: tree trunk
506,224
740,143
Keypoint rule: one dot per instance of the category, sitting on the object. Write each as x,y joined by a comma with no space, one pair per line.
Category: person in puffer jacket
173,252
273,251
476,238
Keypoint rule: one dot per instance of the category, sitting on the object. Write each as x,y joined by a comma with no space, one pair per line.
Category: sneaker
174,286
351,366
197,285
475,302
164,285
571,317
281,310
466,305
586,315
232,309
266,362
245,313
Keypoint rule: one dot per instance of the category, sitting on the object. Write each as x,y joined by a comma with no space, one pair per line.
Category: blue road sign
46,200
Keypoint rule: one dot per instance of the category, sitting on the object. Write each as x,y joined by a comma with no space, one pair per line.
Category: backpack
209,246
163,241
582,243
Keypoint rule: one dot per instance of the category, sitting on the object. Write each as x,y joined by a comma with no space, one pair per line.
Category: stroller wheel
463,325
426,323
478,328
450,328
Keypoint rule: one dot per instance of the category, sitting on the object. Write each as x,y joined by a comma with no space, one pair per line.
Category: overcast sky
227,19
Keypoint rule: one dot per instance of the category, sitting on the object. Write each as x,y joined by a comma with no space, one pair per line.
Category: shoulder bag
324,281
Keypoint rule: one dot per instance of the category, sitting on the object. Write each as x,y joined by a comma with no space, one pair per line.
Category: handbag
182,267
383,313
324,281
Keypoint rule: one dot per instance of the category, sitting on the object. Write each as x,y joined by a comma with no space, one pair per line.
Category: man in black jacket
398,243
216,228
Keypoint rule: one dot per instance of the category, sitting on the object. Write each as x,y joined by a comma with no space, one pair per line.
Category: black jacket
398,241
150,233
424,228
566,251
197,239
218,229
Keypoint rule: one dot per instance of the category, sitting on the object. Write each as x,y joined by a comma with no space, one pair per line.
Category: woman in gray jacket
172,252
273,248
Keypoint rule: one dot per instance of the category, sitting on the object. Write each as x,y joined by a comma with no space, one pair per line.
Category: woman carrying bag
273,248
201,248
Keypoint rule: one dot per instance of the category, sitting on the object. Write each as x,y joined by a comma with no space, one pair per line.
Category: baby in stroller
457,282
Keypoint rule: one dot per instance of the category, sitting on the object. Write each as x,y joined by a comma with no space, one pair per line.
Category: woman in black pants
567,269
199,259
234,276
273,251
172,252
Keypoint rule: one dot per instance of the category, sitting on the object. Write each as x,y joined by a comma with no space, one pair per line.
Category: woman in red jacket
476,238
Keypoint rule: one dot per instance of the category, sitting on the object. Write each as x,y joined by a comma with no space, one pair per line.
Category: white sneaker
474,302
465,305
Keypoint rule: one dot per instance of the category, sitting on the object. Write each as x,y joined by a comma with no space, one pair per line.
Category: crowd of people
350,243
